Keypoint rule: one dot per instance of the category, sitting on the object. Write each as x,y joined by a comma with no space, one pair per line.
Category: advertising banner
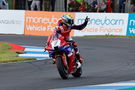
131,25
42,23
102,24
11,22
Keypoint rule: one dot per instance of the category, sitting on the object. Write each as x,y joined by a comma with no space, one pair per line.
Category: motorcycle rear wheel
61,68
78,73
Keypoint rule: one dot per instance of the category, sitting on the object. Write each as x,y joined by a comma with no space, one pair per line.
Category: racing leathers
65,30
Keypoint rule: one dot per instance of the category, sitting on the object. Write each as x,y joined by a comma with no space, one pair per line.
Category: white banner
102,24
11,22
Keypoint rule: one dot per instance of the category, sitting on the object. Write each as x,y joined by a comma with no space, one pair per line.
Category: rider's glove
87,19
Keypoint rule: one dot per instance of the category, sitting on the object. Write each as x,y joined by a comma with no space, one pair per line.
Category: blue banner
131,25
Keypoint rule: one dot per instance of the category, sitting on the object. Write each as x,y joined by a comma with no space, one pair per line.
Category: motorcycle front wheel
61,68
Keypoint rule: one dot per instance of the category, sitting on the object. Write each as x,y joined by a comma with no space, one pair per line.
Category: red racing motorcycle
63,54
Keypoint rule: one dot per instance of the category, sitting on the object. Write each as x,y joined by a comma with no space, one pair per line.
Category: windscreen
55,36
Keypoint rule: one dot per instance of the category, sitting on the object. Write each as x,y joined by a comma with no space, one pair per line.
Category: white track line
117,84
34,55
37,50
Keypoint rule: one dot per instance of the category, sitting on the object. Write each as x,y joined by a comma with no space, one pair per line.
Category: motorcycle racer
64,27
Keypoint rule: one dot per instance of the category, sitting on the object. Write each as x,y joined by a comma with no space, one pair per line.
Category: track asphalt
107,60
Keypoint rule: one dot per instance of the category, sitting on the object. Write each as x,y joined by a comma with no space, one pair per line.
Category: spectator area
64,6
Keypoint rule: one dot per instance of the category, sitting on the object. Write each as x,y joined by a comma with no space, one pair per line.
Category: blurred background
115,6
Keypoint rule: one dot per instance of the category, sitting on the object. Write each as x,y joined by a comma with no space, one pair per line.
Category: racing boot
79,57
79,60
78,64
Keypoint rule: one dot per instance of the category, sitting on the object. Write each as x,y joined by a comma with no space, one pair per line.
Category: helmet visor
70,22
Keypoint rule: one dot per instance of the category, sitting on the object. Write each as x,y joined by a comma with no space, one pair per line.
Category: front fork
69,63
64,59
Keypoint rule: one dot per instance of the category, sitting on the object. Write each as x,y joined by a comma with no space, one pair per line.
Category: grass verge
109,36
10,56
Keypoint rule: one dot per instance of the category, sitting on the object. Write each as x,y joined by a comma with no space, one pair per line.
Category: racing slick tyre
61,68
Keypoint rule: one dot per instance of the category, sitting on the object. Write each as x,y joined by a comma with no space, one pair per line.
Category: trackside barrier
131,25
11,22
102,24
42,23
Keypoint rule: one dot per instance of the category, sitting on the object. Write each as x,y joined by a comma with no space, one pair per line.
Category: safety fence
42,23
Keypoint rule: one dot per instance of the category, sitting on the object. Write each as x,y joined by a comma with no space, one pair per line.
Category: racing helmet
68,20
